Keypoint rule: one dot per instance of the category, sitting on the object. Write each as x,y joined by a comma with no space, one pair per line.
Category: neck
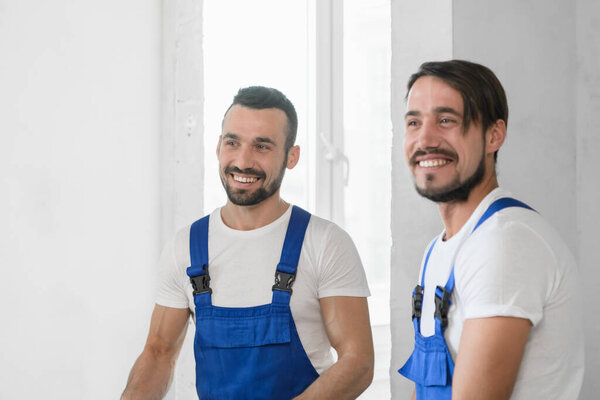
245,218
456,213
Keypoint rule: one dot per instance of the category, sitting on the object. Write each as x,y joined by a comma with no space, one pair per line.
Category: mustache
247,171
443,152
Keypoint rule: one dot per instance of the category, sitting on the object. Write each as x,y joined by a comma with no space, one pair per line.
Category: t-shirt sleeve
504,272
171,292
341,272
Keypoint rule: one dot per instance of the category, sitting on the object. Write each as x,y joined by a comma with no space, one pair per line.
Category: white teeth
432,163
243,179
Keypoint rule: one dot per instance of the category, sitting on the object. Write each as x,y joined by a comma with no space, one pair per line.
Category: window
332,59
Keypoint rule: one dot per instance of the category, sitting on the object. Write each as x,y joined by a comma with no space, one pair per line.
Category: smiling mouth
433,163
244,179
432,158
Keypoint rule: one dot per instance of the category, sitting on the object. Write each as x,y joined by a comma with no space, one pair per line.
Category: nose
428,136
245,158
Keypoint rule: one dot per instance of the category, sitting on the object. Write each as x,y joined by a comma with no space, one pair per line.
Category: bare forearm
346,379
149,378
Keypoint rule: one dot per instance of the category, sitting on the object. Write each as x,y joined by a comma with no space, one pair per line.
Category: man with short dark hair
496,312
270,287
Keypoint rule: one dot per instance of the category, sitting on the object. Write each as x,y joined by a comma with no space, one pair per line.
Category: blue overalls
430,365
252,352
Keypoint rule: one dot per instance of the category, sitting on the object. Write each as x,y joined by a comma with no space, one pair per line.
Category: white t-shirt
516,265
242,268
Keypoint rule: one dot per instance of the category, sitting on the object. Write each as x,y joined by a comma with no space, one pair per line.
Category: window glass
368,142
244,46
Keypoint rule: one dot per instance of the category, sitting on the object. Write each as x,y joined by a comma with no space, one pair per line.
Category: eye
262,147
446,120
411,123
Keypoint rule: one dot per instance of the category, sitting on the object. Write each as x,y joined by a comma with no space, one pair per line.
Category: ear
293,157
495,136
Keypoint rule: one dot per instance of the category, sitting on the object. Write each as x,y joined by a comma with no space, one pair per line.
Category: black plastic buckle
201,283
417,302
284,281
442,304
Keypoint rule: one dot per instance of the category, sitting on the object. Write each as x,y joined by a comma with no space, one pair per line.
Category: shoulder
514,264
335,260
512,231
516,232
323,235
325,229
172,279
181,245
514,250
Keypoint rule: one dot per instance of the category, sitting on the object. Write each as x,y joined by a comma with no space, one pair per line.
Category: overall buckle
284,281
442,304
417,302
201,283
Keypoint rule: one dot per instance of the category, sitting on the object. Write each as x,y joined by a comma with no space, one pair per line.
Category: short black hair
484,99
261,97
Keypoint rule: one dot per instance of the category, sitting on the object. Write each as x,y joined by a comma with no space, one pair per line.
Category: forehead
430,92
244,121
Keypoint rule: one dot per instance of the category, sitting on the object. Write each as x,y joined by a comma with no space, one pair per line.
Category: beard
455,190
244,197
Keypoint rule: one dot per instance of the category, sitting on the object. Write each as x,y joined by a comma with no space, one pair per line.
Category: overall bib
430,365
251,352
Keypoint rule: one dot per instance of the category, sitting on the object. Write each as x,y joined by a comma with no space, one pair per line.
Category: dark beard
455,191
241,197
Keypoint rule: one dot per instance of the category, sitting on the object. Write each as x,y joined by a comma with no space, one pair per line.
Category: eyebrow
437,110
259,139
231,136
447,110
264,140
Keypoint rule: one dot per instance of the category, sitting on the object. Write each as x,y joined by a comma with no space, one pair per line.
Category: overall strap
290,255
498,205
426,261
417,295
442,298
198,271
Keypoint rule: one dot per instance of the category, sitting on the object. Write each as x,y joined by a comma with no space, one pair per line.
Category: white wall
531,48
587,23
182,149
548,60
79,215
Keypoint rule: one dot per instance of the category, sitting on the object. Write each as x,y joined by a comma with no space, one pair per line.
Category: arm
489,357
153,370
348,327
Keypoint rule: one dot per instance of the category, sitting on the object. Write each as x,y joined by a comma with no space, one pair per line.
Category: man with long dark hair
497,308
